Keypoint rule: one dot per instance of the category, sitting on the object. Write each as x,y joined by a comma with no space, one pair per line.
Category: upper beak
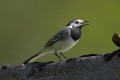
86,21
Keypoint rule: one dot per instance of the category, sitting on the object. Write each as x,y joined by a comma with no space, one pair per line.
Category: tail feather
34,57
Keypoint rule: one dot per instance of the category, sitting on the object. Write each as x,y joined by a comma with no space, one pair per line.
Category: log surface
88,67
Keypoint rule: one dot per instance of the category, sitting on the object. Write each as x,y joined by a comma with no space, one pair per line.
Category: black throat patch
75,34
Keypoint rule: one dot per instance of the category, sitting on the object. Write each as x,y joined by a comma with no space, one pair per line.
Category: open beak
85,23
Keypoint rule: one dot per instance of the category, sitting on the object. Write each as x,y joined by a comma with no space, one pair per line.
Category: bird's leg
57,55
63,55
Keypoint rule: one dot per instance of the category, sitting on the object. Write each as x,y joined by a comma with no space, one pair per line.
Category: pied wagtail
62,41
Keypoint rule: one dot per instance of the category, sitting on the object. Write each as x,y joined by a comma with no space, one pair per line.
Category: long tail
34,57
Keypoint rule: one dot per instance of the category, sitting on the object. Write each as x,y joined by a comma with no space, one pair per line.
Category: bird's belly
65,45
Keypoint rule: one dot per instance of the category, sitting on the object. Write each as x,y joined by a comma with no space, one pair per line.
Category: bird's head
77,23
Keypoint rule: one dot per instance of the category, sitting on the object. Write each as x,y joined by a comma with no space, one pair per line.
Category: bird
62,41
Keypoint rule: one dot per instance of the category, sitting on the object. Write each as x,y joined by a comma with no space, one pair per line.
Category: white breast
63,46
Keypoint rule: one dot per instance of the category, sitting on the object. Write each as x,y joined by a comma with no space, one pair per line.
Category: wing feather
58,36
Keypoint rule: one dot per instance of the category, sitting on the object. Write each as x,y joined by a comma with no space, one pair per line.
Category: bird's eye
76,22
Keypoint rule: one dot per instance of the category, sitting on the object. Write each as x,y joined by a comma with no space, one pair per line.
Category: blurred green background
26,25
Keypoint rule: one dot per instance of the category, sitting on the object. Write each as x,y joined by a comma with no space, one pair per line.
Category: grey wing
57,37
